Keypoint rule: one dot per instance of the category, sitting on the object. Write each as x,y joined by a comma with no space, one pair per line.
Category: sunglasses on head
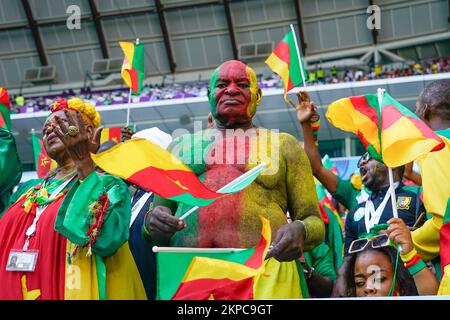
378,241
364,158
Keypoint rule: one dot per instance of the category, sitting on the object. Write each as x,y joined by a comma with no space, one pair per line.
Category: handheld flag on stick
231,274
286,61
111,134
157,170
133,69
42,161
391,133
133,65
5,109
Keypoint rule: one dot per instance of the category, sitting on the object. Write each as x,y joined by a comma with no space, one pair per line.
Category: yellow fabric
435,171
208,268
128,50
444,287
145,154
405,136
29,295
343,115
407,257
426,239
123,281
280,280
122,276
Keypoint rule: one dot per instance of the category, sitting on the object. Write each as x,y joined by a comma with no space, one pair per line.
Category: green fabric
5,114
73,218
23,188
303,283
321,259
445,133
295,72
419,266
101,276
138,65
10,167
346,194
335,238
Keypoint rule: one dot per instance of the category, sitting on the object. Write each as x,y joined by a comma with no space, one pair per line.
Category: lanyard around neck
372,216
39,210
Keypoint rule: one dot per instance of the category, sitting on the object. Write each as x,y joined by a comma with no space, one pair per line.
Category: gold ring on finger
73,131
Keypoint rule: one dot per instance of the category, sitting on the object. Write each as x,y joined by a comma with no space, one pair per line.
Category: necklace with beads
41,195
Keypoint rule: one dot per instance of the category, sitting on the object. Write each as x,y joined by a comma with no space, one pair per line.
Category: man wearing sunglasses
377,208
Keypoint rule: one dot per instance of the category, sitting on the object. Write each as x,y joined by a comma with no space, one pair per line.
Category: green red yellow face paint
234,91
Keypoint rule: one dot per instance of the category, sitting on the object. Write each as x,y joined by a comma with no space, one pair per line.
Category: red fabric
224,289
4,98
361,105
283,52
49,275
413,261
445,245
164,183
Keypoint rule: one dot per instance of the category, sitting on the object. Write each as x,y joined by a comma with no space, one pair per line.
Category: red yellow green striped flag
42,161
391,133
111,134
5,109
157,170
133,65
286,60
208,278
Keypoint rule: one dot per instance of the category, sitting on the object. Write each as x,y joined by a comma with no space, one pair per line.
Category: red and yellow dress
81,238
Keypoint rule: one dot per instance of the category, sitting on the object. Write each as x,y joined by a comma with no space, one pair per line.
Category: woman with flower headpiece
68,232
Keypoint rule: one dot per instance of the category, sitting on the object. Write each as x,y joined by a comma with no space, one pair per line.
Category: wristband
413,262
315,126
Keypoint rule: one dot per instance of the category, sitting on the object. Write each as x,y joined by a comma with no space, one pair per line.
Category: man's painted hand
161,224
288,243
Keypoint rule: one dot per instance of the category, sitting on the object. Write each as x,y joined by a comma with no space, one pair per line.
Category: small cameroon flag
42,160
110,134
133,65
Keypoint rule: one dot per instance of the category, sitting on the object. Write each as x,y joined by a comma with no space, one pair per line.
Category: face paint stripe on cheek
212,89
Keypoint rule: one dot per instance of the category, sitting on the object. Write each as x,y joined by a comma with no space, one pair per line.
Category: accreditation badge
19,260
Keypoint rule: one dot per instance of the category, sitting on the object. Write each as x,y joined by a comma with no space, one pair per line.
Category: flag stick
129,96
299,57
243,176
128,108
380,93
195,250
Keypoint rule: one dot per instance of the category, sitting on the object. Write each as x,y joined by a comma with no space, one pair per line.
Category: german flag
390,132
5,109
285,62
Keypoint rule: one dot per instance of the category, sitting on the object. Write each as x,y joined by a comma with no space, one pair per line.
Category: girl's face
373,274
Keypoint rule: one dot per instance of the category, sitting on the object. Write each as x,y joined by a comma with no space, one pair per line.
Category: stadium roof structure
190,35
180,116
